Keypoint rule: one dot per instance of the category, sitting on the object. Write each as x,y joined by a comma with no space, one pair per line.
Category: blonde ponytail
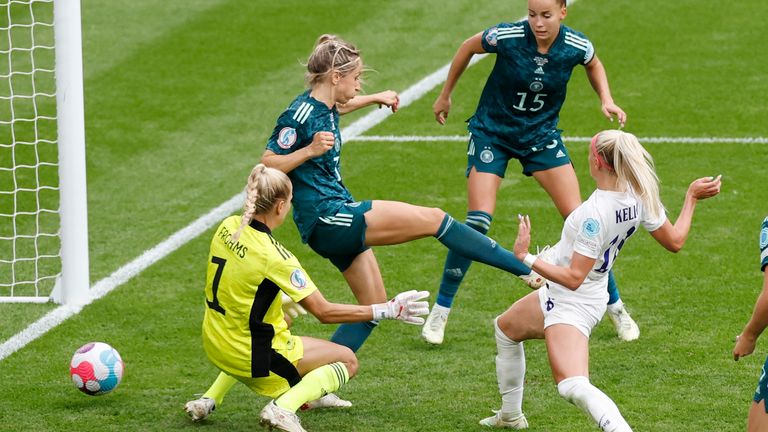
633,165
264,188
331,53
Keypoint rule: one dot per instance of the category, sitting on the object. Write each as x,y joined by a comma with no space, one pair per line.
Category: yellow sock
220,387
316,384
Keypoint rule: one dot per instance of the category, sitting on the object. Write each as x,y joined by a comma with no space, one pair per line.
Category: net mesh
29,198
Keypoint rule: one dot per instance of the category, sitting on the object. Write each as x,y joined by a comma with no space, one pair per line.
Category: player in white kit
564,312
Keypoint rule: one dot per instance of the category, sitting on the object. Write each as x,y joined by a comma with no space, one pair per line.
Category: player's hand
390,99
405,307
291,308
523,240
705,187
610,109
745,345
321,143
441,108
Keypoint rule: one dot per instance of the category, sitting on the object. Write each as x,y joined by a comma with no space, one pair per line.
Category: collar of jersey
317,103
260,226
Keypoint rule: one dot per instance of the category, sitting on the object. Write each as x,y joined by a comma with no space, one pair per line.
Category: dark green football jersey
521,101
317,186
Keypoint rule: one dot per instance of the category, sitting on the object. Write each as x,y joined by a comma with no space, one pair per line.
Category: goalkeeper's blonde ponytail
633,166
265,187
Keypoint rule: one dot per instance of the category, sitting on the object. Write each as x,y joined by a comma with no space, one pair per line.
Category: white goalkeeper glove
404,307
291,308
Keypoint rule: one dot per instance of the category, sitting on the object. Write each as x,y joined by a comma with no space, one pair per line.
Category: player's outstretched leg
454,270
626,327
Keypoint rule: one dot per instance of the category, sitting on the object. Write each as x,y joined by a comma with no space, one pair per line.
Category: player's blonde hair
265,187
633,166
331,54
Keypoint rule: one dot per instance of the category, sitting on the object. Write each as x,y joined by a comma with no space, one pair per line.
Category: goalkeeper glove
404,307
291,308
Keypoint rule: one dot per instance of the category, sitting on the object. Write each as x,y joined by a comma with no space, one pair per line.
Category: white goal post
43,210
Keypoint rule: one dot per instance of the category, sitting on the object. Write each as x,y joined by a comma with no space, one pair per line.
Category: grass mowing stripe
125,273
671,140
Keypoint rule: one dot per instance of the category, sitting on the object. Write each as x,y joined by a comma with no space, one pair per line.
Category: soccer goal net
43,222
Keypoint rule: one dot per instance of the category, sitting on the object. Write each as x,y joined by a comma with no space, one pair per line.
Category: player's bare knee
507,326
350,361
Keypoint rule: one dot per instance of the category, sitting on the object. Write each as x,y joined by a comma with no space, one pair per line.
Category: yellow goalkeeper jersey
244,321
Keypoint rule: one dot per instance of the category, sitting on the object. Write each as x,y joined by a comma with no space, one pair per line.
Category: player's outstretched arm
673,237
599,80
745,342
388,98
407,306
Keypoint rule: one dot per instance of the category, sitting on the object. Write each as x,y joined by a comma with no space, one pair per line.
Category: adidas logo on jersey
560,154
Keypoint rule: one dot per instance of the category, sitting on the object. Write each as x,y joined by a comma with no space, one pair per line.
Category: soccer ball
96,368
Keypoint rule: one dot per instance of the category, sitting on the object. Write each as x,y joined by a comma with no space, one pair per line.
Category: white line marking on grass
671,140
122,275
175,241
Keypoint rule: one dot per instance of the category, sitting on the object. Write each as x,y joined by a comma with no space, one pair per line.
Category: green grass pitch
180,99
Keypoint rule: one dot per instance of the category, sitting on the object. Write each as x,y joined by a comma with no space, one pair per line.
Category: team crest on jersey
591,228
286,138
298,279
764,238
486,156
491,37
336,144
536,86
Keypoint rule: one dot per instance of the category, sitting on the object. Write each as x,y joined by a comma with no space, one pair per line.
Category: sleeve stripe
302,114
576,38
510,30
576,43
510,36
763,255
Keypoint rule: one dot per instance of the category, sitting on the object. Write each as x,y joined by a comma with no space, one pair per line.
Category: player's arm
388,98
599,80
673,237
405,307
469,48
745,342
321,143
570,277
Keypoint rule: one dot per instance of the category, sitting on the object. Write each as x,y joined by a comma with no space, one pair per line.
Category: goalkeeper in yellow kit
245,333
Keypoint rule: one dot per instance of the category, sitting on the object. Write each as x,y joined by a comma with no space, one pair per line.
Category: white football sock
615,307
580,392
442,309
510,373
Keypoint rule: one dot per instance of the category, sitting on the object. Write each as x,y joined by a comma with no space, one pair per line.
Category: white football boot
199,409
328,401
626,327
535,280
274,417
496,421
433,330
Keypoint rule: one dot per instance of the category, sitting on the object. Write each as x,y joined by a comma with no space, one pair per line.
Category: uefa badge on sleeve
286,138
298,279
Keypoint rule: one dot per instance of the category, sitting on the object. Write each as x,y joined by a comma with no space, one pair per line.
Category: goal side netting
43,221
